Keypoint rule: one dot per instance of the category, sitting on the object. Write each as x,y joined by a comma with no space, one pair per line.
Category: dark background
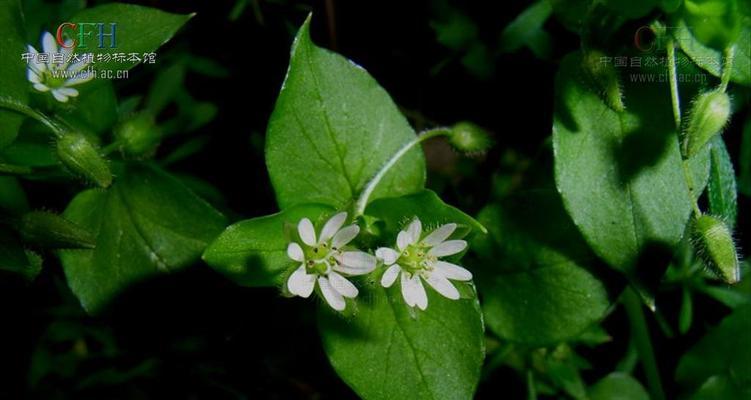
195,334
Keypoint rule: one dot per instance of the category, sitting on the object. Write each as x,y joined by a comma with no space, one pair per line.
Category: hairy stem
362,202
640,336
27,111
676,101
727,67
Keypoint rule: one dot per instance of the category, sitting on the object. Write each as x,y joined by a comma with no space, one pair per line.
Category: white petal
415,231
41,87
49,45
388,255
59,96
452,271
356,263
78,65
37,66
301,283
345,236
70,92
294,251
335,300
32,76
342,285
79,79
403,240
443,286
332,226
448,248
389,277
439,235
413,292
307,232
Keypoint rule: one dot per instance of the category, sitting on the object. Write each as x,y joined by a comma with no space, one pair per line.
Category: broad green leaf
722,356
711,60
12,196
387,351
332,129
620,174
536,278
721,189
254,252
146,223
618,386
14,259
139,30
13,83
427,206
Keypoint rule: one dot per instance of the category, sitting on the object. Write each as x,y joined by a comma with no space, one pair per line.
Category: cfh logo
82,32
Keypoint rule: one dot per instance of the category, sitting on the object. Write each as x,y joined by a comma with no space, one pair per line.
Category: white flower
55,77
326,261
417,260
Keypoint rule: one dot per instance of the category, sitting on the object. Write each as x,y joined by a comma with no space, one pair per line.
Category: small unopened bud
603,78
138,135
50,230
709,114
469,138
82,158
717,247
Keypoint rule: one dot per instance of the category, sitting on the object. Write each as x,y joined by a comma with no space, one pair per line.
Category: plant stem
640,336
362,202
531,388
676,101
25,110
674,96
727,67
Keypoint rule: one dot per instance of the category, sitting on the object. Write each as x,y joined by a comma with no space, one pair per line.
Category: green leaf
620,174
631,9
526,27
744,175
721,361
711,59
254,252
427,206
332,129
388,351
722,192
12,196
536,278
13,83
94,110
14,259
618,386
145,224
139,30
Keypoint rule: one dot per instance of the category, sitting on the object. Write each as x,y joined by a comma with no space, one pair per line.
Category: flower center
51,80
415,259
319,259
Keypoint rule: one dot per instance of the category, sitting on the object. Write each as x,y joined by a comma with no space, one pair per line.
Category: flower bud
138,135
716,245
53,231
709,114
82,158
603,79
469,138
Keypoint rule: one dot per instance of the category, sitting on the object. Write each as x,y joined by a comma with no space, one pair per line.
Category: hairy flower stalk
326,261
416,259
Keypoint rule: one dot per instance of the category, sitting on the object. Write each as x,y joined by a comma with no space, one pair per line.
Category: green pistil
319,258
415,258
